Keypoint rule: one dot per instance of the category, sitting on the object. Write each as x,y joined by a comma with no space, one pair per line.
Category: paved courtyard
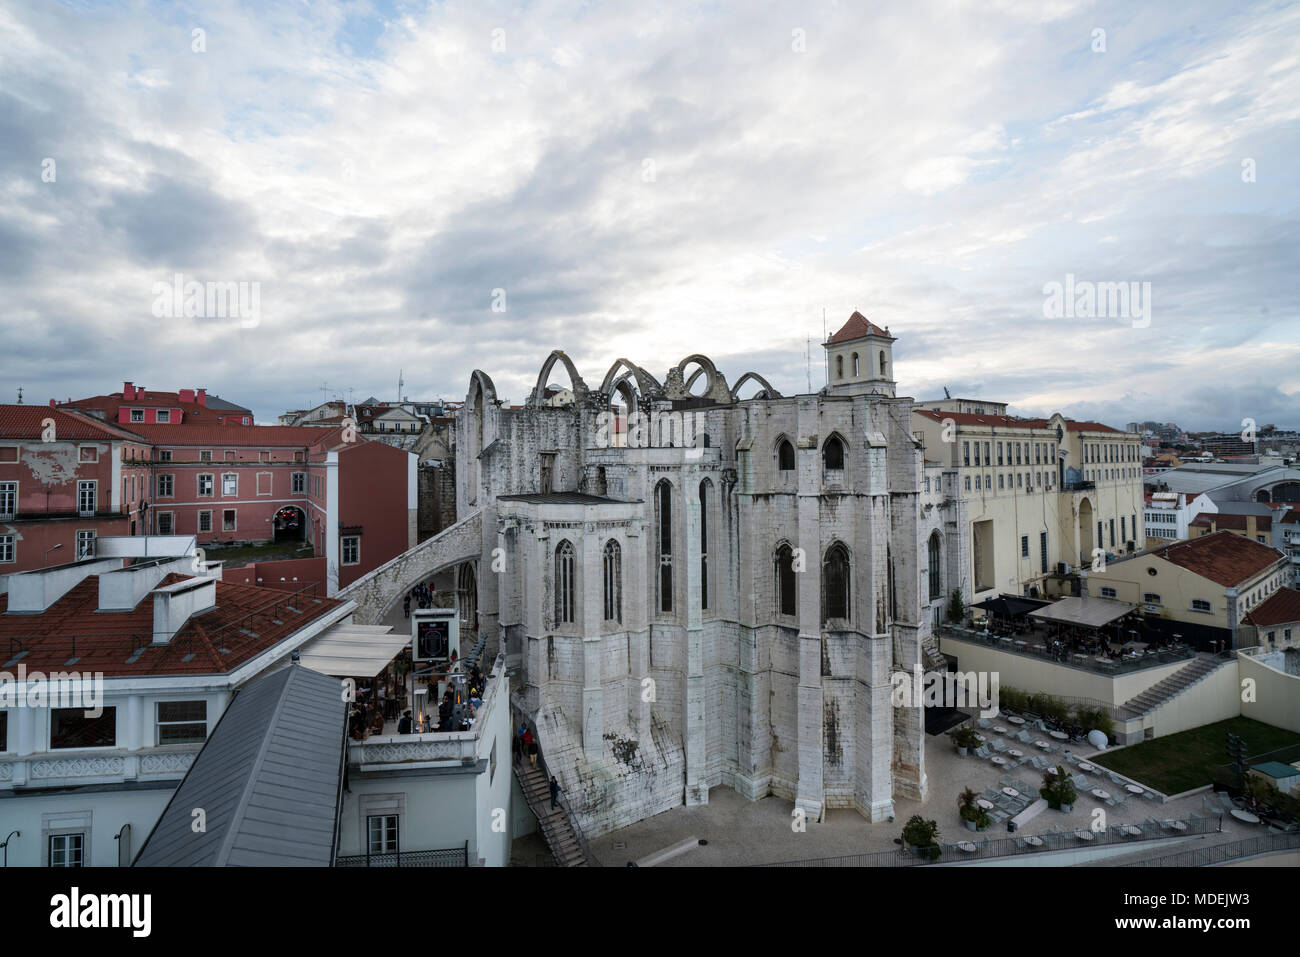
741,833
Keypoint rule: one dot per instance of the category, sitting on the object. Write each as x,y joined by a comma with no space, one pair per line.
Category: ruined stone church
713,592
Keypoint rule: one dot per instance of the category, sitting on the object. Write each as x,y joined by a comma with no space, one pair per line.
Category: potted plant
966,739
1058,790
973,816
922,835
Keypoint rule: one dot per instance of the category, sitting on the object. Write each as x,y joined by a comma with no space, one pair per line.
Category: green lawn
265,552
1187,760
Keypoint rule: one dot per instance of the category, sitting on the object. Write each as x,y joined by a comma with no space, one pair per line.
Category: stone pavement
741,833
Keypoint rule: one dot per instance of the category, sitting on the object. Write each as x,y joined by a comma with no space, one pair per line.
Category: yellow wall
1213,698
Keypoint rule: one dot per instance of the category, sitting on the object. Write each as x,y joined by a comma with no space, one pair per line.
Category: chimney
128,390
174,605
185,395
51,402
202,397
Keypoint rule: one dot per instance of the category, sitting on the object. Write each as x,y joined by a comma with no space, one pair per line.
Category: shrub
919,832
956,607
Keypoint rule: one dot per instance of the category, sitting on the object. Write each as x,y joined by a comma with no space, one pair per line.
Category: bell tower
861,357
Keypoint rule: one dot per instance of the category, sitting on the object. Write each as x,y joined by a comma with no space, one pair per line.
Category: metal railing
444,857
1117,666
1053,840
1221,853
519,716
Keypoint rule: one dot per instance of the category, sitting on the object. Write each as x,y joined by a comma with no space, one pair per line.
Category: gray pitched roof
267,780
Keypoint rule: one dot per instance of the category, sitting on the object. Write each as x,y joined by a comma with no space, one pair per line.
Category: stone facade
721,601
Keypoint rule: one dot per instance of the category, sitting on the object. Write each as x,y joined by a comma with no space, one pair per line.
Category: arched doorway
290,524
1085,531
467,598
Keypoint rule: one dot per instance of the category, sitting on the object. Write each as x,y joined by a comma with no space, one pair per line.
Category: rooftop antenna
808,362
946,393
827,351
324,388
20,395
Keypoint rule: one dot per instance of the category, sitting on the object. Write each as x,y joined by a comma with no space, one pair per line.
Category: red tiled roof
1010,421
105,640
27,422
156,400
1263,523
1224,557
1280,608
858,327
229,436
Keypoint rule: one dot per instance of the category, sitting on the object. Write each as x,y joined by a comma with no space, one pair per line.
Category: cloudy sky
704,177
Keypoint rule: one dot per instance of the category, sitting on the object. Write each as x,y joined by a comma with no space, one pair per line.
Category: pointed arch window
785,581
856,373
564,590
839,367
613,569
785,456
704,543
883,369
935,591
833,453
664,527
835,583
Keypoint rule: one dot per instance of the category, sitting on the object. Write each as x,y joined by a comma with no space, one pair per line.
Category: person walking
532,749
406,606
555,790
404,725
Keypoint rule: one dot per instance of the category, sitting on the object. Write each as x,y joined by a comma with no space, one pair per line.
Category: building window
1108,592
230,483
1150,598
351,549
1020,480
85,544
299,482
86,498
181,722
165,523
166,486
664,506
785,456
205,485
137,415
833,453
785,581
1112,533
1200,605
977,483
704,544
205,520
70,728
230,455
613,568
1024,546
1042,551
835,583
999,453
564,583
164,415
8,500
965,454
66,850
968,483
228,520
381,834
165,455
205,455
933,556
839,367
1001,483
977,455
8,553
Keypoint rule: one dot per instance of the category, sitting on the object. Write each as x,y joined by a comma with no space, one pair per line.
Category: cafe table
1015,720
984,805
1084,835
1100,794
1085,766
999,730
1242,815
1059,735
1013,793
1015,753
1132,789
1034,841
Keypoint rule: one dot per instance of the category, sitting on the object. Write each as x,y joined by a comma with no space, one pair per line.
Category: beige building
1024,497
1256,527
1277,620
1210,582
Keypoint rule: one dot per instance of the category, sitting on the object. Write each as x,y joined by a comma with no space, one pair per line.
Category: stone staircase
1163,691
554,822
931,656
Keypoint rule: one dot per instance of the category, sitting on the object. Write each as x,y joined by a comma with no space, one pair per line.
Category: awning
1009,606
353,651
1090,612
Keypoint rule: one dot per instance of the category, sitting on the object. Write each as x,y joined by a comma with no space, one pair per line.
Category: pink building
354,501
65,480
135,405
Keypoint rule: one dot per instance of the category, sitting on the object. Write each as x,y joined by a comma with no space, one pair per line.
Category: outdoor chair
1051,748
1226,800
1039,763
984,723
1024,737
982,751
1115,778
1005,781
1112,801
1070,758
999,745
1080,782
1150,795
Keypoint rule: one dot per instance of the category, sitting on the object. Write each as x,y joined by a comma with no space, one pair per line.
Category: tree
956,607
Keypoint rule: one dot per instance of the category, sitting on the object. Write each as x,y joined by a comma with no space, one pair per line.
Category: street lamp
50,549
5,845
